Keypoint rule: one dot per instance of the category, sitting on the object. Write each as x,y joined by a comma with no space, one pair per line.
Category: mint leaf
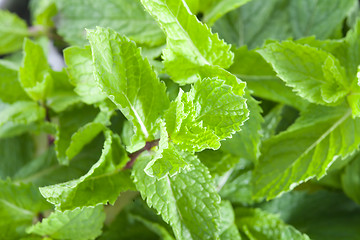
19,204
80,69
34,73
167,160
190,43
42,12
125,16
89,190
13,30
262,79
9,80
171,196
228,228
257,224
314,74
210,112
128,80
305,150
246,143
21,112
82,224
220,8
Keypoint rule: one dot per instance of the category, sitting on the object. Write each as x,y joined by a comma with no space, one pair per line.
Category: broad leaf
314,74
125,16
228,229
102,184
34,73
128,80
171,196
13,30
80,70
210,112
306,149
190,44
80,224
42,12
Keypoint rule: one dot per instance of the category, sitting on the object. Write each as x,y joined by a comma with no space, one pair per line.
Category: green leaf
319,18
62,95
80,70
19,204
34,73
262,79
257,224
220,8
171,196
320,214
77,127
246,143
13,30
305,150
14,153
80,224
210,112
282,19
218,162
102,184
42,12
167,160
125,16
190,44
314,74
228,228
21,112
9,80
350,179
128,80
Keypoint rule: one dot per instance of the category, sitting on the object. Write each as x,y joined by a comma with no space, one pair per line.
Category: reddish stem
133,156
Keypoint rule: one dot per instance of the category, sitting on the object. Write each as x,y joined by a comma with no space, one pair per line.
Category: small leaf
34,73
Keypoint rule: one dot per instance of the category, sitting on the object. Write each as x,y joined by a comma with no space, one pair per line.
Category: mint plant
175,119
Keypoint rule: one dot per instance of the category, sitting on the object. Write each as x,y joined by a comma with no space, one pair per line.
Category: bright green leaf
172,195
210,112
34,73
128,80
13,30
190,44
314,74
80,70
305,150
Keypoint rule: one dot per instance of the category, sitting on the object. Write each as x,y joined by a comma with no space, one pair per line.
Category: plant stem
133,156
